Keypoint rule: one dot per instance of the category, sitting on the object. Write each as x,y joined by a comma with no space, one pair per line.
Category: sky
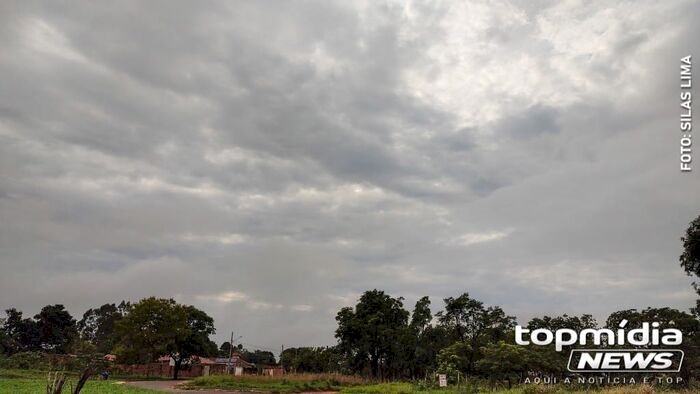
269,161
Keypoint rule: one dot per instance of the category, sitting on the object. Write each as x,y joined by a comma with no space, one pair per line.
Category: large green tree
453,360
368,333
155,327
421,316
690,259
225,349
427,339
57,328
419,329
259,357
474,324
20,334
312,359
504,362
51,330
98,325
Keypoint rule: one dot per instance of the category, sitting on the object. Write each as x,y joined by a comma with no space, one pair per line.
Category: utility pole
282,363
230,353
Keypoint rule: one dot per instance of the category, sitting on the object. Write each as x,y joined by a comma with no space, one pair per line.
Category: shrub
25,360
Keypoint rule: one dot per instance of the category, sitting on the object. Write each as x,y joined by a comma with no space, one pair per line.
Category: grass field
355,385
34,382
287,384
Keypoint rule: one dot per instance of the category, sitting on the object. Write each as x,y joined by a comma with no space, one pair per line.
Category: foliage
98,325
56,328
51,330
155,327
504,362
473,323
225,348
668,317
545,359
690,259
453,360
258,357
19,334
312,359
429,343
368,333
421,316
687,323
427,340
575,323
25,360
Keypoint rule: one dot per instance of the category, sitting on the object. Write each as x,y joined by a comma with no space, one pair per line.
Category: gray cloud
270,162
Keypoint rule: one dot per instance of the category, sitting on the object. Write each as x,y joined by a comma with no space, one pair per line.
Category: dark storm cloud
268,162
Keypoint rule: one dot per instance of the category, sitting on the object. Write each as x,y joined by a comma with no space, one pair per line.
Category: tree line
378,337
136,333
382,339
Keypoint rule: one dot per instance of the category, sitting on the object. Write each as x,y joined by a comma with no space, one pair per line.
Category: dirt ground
168,386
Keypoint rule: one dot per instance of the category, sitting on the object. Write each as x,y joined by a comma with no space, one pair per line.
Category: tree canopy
690,258
367,333
156,327
98,325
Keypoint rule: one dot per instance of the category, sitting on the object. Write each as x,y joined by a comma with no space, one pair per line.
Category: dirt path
168,386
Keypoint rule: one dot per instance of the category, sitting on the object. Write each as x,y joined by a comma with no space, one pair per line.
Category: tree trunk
374,365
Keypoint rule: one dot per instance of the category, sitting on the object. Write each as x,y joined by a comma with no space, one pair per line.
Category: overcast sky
270,161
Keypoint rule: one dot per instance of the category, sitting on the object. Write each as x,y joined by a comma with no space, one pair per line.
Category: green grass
282,384
21,374
34,386
34,382
354,385
388,388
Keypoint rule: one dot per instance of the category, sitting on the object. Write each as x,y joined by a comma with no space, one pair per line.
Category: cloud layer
268,162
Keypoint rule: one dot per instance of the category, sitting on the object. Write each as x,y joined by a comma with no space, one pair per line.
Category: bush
25,360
